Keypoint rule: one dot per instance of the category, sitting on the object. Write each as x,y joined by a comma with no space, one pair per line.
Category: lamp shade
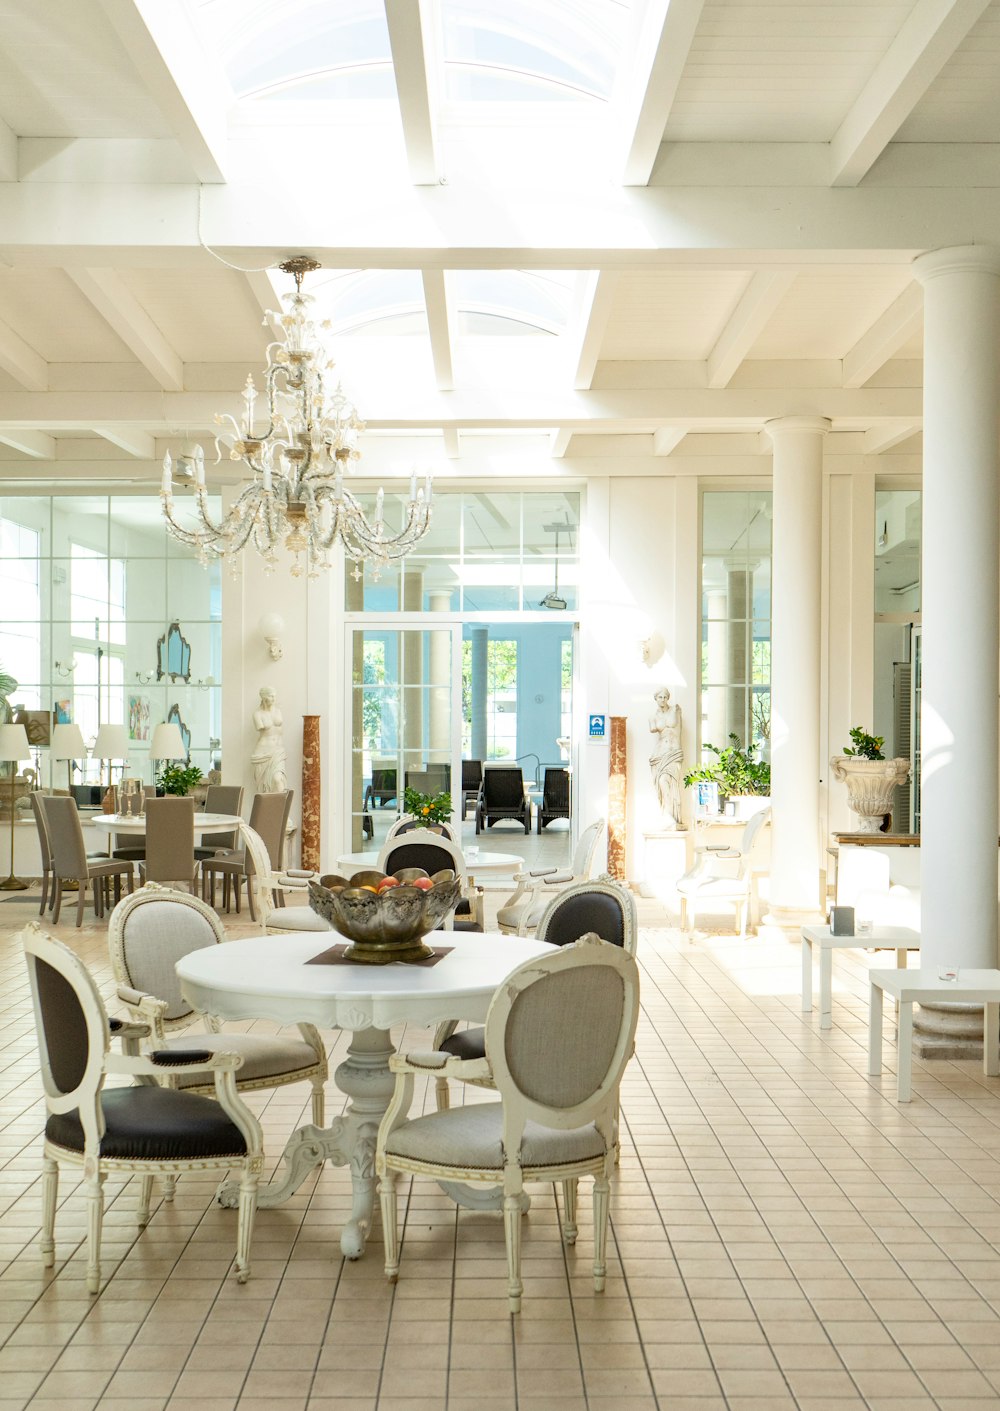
14,743
167,743
111,743
67,742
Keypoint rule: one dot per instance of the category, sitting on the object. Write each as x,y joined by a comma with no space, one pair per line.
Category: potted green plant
430,809
871,779
178,779
740,774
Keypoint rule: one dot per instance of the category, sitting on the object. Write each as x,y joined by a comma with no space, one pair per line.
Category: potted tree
429,809
871,779
742,777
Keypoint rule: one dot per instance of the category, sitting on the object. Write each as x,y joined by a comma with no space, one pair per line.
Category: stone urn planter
870,786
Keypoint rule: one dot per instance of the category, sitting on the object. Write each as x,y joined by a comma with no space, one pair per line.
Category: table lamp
67,744
111,743
166,743
13,748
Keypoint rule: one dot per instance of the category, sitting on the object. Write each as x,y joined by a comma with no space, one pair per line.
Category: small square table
899,938
915,986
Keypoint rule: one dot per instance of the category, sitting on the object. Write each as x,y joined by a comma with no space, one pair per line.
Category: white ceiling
687,219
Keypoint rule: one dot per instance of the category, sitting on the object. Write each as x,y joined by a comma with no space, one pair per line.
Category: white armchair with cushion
148,933
523,909
722,874
559,1033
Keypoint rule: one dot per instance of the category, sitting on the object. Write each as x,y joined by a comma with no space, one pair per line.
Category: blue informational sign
597,727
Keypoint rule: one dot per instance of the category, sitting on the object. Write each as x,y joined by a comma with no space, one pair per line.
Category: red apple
387,883
424,884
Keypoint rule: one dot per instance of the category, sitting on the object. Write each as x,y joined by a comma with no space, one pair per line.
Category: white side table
917,986
820,938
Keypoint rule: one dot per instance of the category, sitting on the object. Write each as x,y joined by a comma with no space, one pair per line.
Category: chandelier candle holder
297,452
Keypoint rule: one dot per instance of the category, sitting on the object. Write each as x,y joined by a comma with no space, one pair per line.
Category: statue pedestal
663,861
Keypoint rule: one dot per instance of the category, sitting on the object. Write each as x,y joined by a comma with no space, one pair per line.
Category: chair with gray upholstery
559,1033
221,798
525,907
45,851
149,932
143,1129
269,819
170,855
70,861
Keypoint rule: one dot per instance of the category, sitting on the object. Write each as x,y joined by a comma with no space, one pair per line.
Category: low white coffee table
912,987
899,938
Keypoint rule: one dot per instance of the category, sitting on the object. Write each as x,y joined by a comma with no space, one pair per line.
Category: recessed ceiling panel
206,315
47,310
963,102
671,314
825,312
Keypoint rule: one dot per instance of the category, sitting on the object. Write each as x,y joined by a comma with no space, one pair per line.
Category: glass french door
404,716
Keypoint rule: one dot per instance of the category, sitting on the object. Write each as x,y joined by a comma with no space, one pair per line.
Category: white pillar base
948,1031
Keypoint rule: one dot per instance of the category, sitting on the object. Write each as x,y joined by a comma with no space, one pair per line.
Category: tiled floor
784,1235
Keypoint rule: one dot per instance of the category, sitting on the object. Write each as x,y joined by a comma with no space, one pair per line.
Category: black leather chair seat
459,925
466,1044
153,1124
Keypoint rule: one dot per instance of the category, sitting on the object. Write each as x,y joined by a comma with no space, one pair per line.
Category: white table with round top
476,863
269,977
135,824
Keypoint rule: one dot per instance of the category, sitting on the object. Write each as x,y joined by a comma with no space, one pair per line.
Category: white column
439,667
480,686
717,723
959,717
795,666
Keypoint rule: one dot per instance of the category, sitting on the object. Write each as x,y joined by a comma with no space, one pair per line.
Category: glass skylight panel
509,50
370,301
529,301
302,48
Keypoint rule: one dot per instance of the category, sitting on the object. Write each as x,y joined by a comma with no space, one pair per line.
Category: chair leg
318,1101
442,1094
95,1219
253,909
50,1195
245,1222
390,1234
569,1214
512,1239
81,899
684,914
602,1191
145,1191
741,919
169,1188
98,889
45,892
57,902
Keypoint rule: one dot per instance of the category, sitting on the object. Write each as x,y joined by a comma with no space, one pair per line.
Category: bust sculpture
268,758
666,761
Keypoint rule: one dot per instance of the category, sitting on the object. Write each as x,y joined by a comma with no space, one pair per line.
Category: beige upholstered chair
221,798
71,863
147,934
524,908
434,852
170,843
269,819
559,1033
722,874
144,1129
45,851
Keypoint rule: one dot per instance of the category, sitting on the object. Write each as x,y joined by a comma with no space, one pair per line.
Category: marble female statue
666,761
268,758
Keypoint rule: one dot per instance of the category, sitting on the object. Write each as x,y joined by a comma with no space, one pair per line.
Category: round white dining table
476,863
136,824
270,977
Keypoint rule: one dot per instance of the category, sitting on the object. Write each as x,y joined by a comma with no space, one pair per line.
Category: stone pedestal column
961,624
311,793
479,688
795,666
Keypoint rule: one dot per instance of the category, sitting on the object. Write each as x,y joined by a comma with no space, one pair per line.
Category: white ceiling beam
264,290
21,362
926,40
452,445
761,297
645,99
889,433
8,153
138,443
667,439
887,335
410,38
439,324
559,443
188,85
590,320
108,294
30,443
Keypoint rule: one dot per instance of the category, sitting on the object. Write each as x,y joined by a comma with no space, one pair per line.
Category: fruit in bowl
384,917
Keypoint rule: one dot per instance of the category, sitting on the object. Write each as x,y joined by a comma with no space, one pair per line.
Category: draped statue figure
666,761
268,758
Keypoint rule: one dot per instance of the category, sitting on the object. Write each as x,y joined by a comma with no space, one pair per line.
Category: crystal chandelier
297,454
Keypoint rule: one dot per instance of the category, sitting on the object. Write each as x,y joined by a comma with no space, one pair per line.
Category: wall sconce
144,677
64,668
205,683
272,629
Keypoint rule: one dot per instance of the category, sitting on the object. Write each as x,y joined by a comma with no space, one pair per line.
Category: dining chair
525,907
148,933
559,1032
269,820
603,908
434,852
723,874
170,842
221,798
555,796
501,796
143,1129
45,851
70,861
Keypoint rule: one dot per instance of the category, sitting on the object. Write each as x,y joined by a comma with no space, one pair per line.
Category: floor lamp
14,747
